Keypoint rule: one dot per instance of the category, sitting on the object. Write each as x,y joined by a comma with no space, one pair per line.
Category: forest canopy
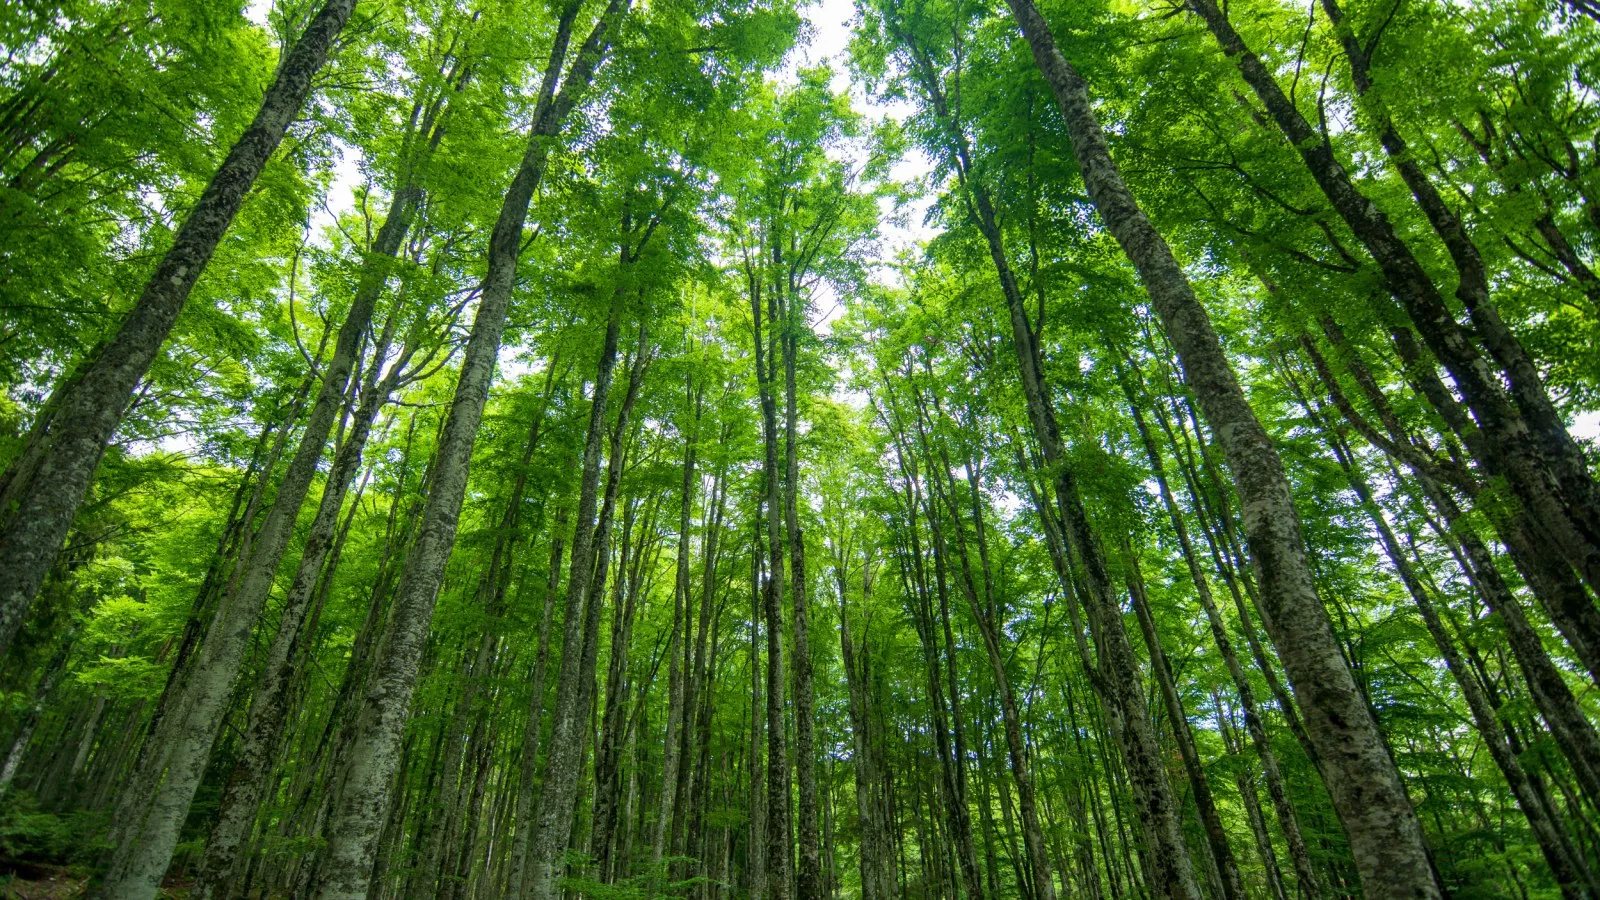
746,449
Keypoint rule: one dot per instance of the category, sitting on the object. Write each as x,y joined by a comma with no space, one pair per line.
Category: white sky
829,42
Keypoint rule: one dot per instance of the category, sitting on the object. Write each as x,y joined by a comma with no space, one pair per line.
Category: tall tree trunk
756,837
778,853
1363,782
575,687
353,828
492,589
140,863
672,748
877,861
1205,805
1565,863
1043,887
1550,579
90,409
809,883
953,782
1529,446
1288,820
1252,806
54,669
608,752
1118,681
528,754
269,707
1566,461
698,697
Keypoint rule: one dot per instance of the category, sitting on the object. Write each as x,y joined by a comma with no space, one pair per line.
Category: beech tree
613,449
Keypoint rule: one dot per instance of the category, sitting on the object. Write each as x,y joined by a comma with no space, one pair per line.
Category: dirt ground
20,881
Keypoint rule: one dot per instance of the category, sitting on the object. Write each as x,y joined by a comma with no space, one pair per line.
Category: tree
1042,480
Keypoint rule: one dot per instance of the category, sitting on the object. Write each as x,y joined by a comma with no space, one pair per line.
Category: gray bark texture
1578,495
672,762
809,877
569,733
1386,838
89,410
1116,678
1524,441
1288,820
877,853
1568,866
269,708
202,700
358,816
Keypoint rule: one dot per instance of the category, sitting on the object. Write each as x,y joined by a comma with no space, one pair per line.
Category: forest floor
29,881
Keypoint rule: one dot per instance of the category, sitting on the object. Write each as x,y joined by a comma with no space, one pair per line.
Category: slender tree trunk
1252,807
877,862
756,838
353,828
54,669
1529,446
810,881
90,409
1552,582
492,588
1118,681
1566,461
704,669
1255,724
953,782
575,687
778,853
139,864
1568,867
1363,782
1038,859
1205,804
527,768
270,703
672,748
608,752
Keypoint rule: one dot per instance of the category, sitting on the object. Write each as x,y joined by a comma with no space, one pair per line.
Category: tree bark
608,752
353,829
878,881
591,546
756,836
528,754
778,854
1565,863
1288,820
1566,461
1043,887
1183,734
270,703
202,703
1550,579
92,406
672,748
1385,836
913,574
809,883
1529,446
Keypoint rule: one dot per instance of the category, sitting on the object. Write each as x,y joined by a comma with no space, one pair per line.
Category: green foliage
713,191
32,835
